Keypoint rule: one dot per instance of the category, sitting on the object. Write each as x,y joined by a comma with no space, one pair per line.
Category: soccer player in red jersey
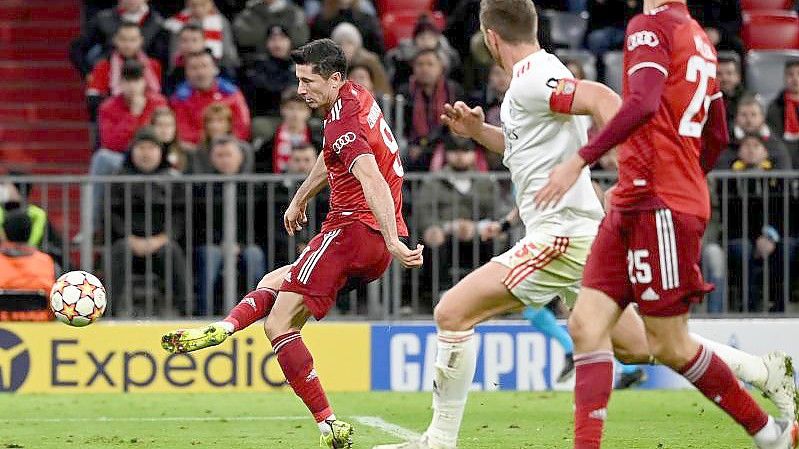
671,128
359,237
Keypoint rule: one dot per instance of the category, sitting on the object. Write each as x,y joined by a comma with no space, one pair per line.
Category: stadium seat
394,6
764,72
399,25
760,5
614,65
770,30
583,57
566,28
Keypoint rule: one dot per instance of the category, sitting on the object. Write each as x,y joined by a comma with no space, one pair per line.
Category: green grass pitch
637,420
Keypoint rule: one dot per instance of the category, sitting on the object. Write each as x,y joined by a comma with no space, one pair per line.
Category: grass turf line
637,419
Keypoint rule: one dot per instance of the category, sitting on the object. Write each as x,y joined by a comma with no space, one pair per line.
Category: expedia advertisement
123,357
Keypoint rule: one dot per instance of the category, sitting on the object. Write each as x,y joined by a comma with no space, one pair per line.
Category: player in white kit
541,127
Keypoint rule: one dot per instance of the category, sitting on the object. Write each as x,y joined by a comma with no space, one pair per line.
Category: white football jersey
536,140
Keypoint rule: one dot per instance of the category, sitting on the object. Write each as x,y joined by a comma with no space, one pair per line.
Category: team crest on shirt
640,38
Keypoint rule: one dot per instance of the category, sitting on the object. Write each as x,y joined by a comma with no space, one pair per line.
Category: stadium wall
127,357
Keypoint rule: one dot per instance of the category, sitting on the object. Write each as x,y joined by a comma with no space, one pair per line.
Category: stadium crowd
208,88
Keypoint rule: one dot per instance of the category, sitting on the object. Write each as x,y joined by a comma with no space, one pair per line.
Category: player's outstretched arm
294,217
378,196
470,122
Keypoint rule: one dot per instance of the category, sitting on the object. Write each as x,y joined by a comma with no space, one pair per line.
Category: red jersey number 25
699,70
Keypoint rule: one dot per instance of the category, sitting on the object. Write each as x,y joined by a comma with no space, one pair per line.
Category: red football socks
297,365
256,305
594,383
714,379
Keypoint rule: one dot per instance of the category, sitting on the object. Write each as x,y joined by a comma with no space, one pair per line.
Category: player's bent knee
450,318
583,333
275,327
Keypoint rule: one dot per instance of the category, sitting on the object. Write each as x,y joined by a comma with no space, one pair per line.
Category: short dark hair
791,63
192,26
127,24
360,65
324,55
132,70
515,21
457,143
224,140
303,146
198,54
17,226
731,58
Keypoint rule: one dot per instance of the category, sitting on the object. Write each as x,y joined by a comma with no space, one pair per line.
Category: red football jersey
355,127
660,163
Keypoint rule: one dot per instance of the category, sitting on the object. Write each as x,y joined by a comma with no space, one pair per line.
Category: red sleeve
98,82
644,90
156,66
647,45
241,116
563,96
344,133
715,136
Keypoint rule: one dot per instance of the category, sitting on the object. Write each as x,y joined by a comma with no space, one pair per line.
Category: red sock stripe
283,340
455,339
593,357
697,367
518,274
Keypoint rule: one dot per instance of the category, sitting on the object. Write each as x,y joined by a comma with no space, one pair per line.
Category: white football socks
768,434
747,367
456,362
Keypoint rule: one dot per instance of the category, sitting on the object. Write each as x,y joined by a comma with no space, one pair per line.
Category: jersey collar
528,62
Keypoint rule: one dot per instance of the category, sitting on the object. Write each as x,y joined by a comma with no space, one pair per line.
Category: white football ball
78,298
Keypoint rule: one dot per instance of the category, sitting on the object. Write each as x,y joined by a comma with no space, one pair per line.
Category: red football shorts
347,256
650,257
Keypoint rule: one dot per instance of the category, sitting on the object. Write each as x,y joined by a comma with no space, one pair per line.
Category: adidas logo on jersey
649,295
249,301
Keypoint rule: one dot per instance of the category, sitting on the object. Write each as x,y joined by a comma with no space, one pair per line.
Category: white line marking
387,427
157,419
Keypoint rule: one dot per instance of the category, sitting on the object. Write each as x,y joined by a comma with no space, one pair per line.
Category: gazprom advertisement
510,357
127,358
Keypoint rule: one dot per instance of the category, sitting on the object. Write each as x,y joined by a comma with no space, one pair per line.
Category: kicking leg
254,306
672,345
590,324
282,328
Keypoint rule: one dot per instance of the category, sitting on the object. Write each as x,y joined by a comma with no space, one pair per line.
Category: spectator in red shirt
123,114
105,79
202,87
120,117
